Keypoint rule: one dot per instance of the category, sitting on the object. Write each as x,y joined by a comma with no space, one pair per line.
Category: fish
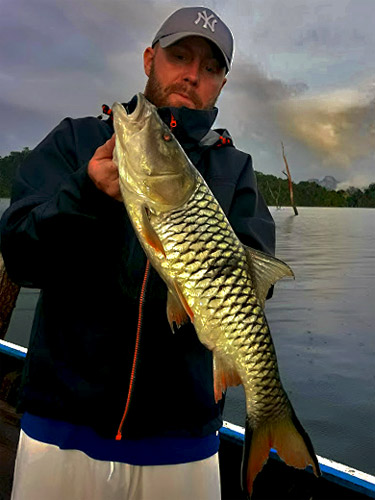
213,280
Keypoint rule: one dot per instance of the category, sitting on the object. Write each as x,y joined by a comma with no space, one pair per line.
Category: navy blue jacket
64,236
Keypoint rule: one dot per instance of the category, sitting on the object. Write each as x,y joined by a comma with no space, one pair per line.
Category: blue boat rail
14,350
340,474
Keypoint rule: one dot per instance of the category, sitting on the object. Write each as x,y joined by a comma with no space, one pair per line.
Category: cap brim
168,40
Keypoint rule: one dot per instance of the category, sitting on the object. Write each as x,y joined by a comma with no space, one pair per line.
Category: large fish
212,278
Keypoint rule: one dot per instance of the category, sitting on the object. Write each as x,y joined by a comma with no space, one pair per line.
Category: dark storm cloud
23,126
41,34
67,58
248,78
39,38
251,98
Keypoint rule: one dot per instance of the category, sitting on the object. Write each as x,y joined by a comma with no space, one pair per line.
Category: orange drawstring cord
136,348
173,122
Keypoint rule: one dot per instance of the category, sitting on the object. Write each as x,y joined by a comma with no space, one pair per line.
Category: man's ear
148,57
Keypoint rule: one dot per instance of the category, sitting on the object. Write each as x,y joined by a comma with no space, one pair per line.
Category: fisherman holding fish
119,394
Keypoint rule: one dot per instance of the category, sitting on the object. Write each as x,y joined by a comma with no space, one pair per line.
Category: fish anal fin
150,236
265,271
176,312
225,375
290,440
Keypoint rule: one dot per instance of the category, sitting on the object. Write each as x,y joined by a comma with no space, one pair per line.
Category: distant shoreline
6,201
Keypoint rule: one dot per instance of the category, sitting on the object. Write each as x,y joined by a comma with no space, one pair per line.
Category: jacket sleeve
249,214
251,218
56,212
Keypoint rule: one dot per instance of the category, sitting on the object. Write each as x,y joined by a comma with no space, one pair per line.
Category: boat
276,481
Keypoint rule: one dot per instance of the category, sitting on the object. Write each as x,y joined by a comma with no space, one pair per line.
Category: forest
309,194
274,189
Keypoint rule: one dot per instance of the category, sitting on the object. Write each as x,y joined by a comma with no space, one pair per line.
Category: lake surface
322,325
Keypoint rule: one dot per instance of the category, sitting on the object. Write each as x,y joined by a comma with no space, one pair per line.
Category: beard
159,96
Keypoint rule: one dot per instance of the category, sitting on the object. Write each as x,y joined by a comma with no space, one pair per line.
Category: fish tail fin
290,440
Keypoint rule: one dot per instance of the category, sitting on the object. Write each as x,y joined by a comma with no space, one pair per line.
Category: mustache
183,89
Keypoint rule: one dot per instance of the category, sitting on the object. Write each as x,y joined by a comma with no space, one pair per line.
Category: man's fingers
103,171
106,150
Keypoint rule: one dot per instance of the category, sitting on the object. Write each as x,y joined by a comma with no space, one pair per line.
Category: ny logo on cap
206,20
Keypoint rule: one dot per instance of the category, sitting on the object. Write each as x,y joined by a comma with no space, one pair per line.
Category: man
116,406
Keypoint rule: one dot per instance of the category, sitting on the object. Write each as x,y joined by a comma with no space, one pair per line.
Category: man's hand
103,172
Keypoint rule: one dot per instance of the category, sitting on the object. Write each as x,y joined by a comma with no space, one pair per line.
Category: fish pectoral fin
176,312
265,271
225,375
290,440
150,236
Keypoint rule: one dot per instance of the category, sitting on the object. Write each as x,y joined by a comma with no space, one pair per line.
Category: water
322,325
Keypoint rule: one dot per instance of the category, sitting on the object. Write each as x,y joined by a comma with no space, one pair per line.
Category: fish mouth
135,115
135,118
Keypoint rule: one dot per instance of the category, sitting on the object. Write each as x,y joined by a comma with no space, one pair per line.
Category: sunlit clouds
339,126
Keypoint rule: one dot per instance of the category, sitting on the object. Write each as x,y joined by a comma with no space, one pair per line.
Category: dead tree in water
287,173
276,197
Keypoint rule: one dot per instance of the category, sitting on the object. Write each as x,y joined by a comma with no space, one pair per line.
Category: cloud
356,180
23,127
331,133
67,57
250,101
338,127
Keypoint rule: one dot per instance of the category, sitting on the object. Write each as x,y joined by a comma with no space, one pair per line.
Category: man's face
187,73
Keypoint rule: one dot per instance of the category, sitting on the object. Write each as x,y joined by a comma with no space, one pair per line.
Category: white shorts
45,472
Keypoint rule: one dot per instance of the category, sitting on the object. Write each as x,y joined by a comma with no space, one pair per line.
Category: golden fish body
211,268
211,277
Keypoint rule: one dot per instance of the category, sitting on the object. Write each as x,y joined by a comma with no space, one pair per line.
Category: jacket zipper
136,350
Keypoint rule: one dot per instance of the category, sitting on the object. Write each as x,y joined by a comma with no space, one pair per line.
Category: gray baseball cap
197,21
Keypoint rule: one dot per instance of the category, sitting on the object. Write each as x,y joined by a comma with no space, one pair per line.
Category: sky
303,74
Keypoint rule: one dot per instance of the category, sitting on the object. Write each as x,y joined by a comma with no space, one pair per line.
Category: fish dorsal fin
265,271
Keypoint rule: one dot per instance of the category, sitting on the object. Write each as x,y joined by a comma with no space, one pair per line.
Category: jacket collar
190,125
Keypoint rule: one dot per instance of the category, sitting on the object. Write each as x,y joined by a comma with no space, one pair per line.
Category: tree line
8,167
309,194
274,189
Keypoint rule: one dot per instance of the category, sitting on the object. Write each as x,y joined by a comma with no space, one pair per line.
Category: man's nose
192,72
